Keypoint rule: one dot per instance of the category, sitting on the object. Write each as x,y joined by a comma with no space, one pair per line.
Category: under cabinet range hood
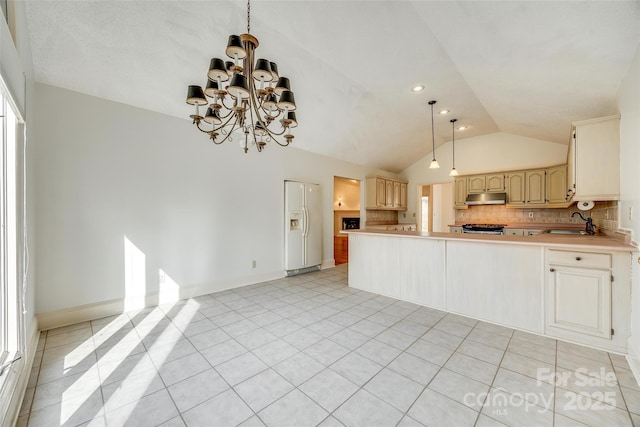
486,199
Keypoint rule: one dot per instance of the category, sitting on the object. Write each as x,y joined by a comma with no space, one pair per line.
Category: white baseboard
15,402
82,313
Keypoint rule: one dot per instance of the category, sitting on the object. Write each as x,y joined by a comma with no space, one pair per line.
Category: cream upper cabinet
557,184
494,183
403,196
376,189
460,186
596,162
386,194
396,194
476,184
515,188
535,186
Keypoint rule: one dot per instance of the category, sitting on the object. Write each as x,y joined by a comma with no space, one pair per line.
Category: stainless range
483,228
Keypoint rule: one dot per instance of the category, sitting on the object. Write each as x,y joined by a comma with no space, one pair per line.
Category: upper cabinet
493,183
386,194
594,159
557,184
535,188
460,189
526,187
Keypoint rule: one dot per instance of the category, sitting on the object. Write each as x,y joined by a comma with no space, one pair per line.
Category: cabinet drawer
579,259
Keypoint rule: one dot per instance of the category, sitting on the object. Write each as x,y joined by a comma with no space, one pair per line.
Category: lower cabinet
585,302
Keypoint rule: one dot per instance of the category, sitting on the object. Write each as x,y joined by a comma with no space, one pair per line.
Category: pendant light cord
433,138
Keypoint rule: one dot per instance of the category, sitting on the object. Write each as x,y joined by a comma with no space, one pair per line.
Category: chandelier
246,97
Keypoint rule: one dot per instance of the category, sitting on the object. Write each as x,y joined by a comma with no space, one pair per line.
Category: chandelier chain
248,16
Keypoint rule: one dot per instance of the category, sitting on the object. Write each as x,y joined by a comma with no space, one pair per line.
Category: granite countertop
615,241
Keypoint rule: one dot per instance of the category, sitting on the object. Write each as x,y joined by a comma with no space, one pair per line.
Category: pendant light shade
454,171
434,163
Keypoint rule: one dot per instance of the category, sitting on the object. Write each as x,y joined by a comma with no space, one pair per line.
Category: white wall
629,107
197,211
487,153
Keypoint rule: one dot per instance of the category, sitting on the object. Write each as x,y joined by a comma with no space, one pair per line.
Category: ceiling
525,67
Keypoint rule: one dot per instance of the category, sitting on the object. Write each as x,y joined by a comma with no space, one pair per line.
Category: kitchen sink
565,231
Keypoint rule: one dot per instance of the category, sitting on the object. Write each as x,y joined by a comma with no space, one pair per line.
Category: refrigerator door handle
305,229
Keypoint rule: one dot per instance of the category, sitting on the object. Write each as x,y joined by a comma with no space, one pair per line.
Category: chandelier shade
246,97
282,85
195,96
218,70
235,48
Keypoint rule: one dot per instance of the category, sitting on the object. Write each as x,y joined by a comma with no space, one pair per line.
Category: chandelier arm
225,105
228,133
273,138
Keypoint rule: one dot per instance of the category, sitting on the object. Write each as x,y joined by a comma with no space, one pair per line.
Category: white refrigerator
303,227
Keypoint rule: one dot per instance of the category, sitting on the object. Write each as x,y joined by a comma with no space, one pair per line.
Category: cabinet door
571,166
535,186
460,191
579,300
396,194
515,189
388,193
403,196
494,183
598,159
557,184
381,191
476,184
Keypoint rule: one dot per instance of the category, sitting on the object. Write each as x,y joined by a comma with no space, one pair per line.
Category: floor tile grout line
379,309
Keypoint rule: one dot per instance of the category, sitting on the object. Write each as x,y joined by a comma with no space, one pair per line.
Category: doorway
346,215
435,207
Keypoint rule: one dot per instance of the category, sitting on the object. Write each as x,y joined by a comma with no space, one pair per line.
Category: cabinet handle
578,258
552,270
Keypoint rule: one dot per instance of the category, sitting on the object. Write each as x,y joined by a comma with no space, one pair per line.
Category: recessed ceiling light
418,88
444,112
462,128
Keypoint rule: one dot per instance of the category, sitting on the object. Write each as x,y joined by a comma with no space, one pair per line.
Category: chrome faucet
589,227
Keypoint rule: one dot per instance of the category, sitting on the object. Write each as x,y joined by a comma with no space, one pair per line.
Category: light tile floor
308,351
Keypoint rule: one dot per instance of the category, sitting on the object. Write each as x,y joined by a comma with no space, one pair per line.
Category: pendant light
453,172
434,163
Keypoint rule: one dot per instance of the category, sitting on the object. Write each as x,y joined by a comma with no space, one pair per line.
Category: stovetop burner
483,227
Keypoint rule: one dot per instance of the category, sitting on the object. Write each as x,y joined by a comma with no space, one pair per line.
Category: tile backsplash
604,214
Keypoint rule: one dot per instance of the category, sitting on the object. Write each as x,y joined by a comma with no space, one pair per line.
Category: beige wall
349,191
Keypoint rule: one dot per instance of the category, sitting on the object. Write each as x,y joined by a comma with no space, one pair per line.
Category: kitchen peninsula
559,286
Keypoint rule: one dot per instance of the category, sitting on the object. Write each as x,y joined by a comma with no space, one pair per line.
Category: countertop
533,225
615,242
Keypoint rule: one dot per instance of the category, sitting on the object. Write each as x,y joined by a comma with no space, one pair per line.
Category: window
10,323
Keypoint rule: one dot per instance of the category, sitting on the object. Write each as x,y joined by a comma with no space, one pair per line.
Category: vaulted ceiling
525,67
